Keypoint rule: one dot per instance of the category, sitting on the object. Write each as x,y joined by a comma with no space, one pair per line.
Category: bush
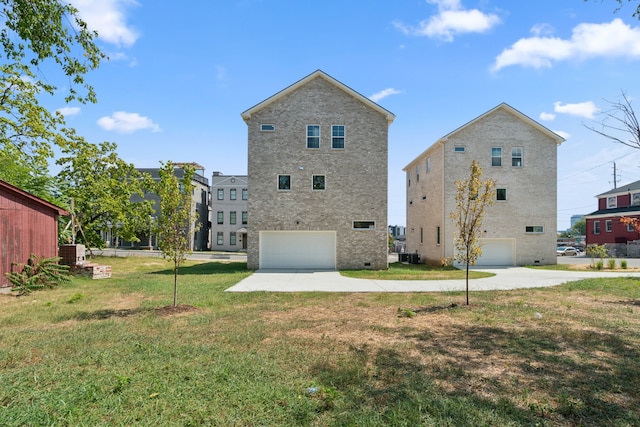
623,264
611,264
38,273
598,265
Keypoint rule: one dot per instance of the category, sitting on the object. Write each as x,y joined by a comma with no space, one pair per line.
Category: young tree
177,217
104,189
38,35
472,198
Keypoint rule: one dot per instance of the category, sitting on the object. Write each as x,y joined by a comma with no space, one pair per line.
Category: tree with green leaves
472,197
177,221
104,189
39,35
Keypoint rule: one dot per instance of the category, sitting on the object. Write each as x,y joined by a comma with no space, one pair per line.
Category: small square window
284,182
501,194
313,136
318,182
612,202
337,136
267,128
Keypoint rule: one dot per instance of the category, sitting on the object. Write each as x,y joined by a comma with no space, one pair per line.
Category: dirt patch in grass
178,310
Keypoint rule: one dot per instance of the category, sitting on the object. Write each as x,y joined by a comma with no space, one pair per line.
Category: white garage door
298,249
497,252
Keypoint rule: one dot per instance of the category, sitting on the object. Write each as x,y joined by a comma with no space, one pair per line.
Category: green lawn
108,352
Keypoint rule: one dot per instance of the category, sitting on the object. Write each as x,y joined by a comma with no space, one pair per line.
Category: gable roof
622,189
503,106
20,192
508,108
246,115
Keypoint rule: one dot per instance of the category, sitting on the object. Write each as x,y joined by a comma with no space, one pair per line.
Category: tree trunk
175,285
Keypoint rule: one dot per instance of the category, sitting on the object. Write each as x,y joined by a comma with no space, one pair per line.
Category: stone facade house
521,156
317,168
604,226
229,217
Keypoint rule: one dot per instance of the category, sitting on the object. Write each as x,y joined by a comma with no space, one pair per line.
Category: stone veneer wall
356,176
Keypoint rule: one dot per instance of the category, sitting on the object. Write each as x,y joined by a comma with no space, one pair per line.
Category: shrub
599,265
611,264
38,273
623,264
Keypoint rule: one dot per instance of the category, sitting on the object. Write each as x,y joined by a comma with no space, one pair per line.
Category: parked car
566,251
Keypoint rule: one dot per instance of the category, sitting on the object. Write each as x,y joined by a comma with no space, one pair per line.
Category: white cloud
613,39
452,19
108,18
583,109
547,117
69,111
124,122
383,94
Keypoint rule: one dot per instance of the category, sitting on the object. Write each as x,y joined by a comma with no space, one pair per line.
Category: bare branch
619,119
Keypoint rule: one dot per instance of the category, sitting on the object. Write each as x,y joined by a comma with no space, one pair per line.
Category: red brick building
604,226
28,224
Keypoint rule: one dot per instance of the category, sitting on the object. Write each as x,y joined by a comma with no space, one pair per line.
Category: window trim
309,137
495,159
612,202
233,238
280,176
220,195
335,138
245,217
514,157
233,217
220,238
233,194
498,199
313,182
459,149
608,226
596,227
220,217
361,225
534,229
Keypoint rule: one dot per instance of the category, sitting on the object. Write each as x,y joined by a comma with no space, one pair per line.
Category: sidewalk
331,281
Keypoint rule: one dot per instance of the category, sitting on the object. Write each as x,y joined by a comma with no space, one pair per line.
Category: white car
566,251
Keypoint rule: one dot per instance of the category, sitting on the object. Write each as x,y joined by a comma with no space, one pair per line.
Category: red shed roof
13,189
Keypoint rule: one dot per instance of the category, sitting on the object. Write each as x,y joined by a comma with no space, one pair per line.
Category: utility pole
615,179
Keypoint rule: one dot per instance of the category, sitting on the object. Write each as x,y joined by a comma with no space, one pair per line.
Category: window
516,156
313,136
267,128
245,217
220,238
421,235
534,229
630,228
608,226
437,235
318,182
232,238
245,194
232,217
284,182
417,173
501,194
364,225
496,156
220,217
635,199
596,227
233,194
220,193
428,167
612,202
458,149
337,136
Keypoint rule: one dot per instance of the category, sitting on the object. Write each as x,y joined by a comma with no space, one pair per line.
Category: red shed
28,224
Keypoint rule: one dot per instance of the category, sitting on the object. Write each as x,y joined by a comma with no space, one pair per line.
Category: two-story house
604,226
229,215
317,168
521,156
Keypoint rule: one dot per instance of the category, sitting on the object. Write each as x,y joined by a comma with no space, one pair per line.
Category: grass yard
109,352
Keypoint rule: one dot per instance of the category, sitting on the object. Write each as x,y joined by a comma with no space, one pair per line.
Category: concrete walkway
331,281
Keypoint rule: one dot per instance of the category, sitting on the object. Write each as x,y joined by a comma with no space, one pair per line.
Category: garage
298,249
497,252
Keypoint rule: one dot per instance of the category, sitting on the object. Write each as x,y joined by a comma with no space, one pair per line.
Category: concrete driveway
331,281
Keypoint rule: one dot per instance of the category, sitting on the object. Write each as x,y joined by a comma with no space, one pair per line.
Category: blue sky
180,74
